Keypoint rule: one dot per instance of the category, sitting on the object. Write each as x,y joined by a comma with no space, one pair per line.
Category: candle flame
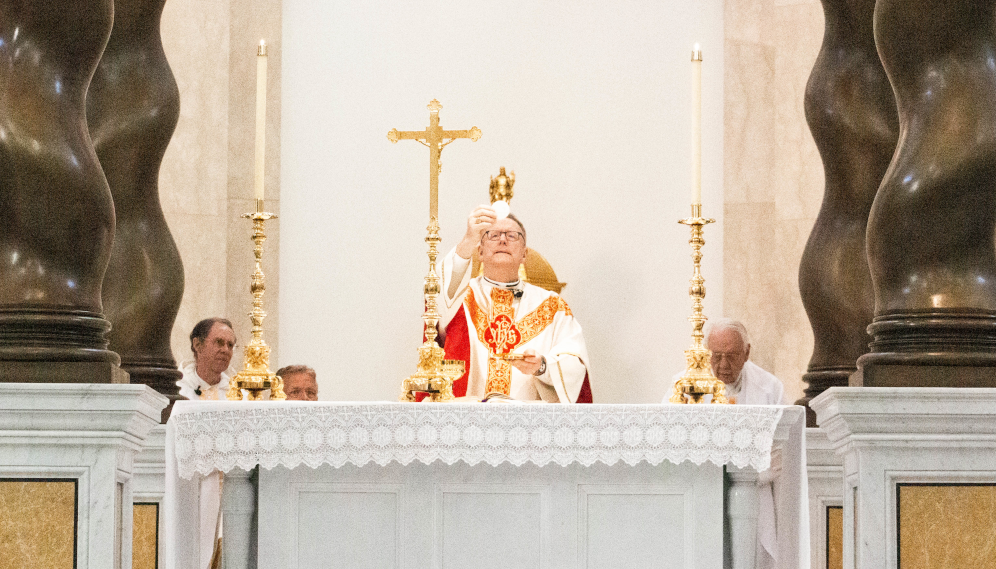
262,48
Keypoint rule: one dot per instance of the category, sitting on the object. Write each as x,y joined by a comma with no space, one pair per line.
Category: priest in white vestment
747,384
206,379
491,320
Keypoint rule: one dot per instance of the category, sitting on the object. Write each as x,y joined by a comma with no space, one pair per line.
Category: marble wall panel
203,244
749,127
193,177
796,34
206,177
835,537
773,179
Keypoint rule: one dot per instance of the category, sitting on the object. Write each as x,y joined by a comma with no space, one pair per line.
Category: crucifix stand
434,375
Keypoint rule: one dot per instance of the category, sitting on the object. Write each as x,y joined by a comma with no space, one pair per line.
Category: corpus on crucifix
435,375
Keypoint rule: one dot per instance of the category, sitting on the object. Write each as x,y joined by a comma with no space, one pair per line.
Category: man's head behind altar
300,382
503,248
730,346
213,343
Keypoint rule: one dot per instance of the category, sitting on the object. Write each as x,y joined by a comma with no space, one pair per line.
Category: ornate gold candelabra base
434,375
256,377
698,379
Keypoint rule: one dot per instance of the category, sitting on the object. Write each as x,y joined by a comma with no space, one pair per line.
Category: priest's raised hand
479,221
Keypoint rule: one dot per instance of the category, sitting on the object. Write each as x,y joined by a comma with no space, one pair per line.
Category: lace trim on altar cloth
222,436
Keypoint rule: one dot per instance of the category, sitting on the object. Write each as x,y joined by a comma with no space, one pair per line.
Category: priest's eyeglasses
510,236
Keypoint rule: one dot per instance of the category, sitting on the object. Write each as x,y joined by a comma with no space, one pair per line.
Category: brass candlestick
698,379
256,376
434,375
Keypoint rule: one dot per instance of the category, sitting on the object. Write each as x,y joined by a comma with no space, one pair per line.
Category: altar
498,485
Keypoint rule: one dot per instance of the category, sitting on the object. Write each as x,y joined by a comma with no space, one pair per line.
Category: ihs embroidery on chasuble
502,334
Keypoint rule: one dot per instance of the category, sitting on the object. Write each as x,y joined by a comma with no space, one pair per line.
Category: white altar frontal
463,485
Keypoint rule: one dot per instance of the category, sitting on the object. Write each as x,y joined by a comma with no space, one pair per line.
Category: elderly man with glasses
517,340
746,382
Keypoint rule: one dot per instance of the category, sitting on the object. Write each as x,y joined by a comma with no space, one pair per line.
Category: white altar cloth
203,437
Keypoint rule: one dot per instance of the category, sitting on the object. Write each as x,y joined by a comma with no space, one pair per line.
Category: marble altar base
148,490
492,517
936,446
469,485
825,469
87,434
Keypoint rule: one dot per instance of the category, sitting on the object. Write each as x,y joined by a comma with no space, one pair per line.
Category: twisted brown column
930,234
56,216
851,112
132,108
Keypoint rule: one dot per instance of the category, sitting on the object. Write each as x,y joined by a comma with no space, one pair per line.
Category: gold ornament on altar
698,380
256,377
434,375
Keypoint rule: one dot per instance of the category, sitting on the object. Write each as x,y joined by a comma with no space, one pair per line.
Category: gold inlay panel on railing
145,536
946,525
38,523
835,537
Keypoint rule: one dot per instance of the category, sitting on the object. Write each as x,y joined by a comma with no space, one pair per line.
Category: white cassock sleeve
565,373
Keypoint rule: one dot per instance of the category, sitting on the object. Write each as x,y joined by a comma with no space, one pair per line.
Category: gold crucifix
434,376
435,138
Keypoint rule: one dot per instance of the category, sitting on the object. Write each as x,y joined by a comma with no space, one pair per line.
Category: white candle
260,117
696,125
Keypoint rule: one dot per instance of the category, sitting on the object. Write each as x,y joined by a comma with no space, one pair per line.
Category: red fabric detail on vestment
584,396
457,346
502,335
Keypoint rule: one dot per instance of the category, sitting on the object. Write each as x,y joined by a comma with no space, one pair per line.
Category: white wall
587,102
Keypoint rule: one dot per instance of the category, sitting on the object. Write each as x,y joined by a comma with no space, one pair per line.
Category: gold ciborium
256,377
698,379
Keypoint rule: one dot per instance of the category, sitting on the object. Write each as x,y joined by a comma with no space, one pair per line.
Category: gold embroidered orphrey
434,375
501,334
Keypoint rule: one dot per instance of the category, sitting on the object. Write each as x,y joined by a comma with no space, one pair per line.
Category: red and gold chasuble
501,333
